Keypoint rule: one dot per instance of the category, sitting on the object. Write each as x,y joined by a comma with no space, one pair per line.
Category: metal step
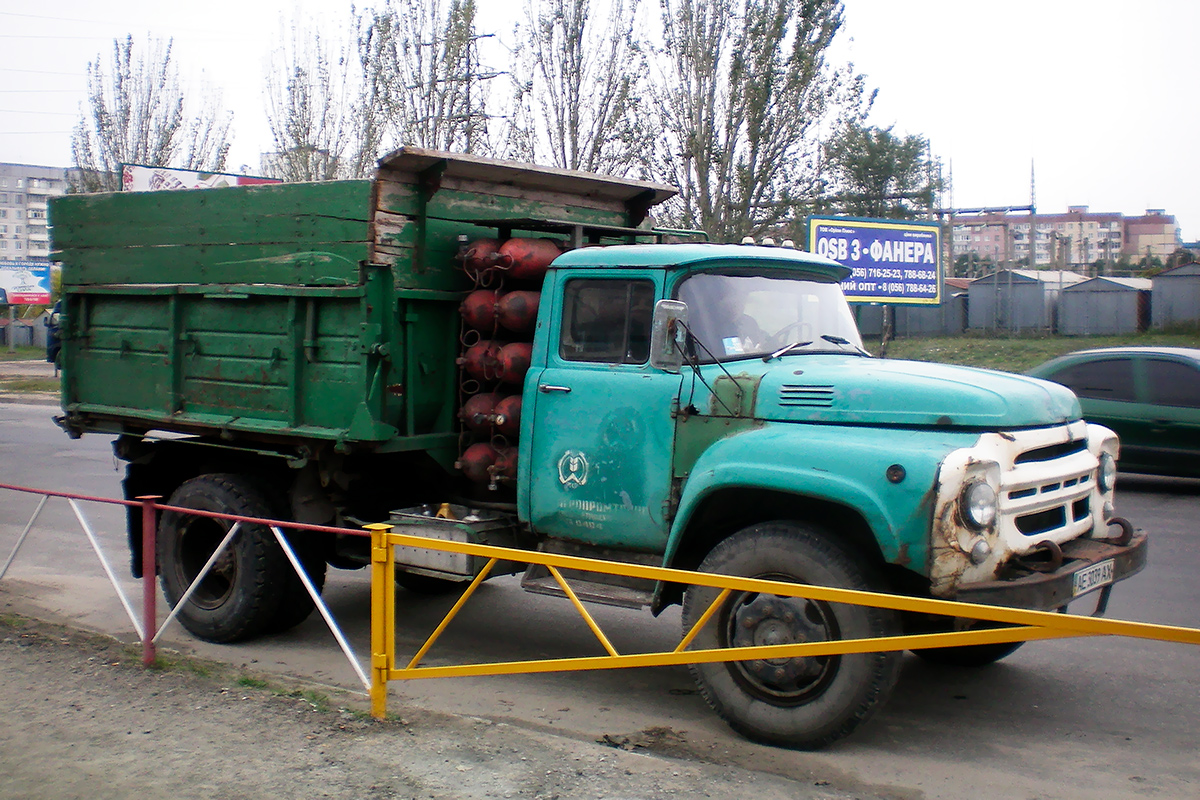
587,587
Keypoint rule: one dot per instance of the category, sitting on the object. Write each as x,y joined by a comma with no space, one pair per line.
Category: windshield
737,316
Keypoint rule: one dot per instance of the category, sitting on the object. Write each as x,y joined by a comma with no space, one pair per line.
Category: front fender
838,464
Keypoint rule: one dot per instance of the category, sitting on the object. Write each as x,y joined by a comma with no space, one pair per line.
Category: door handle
547,388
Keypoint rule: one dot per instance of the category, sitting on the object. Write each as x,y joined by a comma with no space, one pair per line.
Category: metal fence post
149,574
383,626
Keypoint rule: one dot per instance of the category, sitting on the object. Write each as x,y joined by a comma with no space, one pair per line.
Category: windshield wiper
785,350
838,340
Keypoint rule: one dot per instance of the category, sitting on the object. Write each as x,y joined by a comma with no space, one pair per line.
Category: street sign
893,262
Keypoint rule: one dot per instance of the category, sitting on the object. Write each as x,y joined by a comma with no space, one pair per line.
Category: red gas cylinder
517,311
527,259
478,309
480,256
482,360
514,362
505,465
477,412
476,460
508,416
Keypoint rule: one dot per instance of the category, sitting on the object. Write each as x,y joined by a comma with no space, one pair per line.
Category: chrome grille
1048,489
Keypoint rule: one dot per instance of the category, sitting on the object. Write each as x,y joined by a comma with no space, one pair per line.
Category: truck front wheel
241,596
804,702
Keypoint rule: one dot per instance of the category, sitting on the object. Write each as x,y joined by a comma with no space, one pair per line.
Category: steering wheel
778,339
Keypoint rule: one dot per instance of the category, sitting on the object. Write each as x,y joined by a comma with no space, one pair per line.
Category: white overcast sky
1101,96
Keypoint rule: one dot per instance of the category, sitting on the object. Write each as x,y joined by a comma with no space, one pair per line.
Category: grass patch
29,385
317,700
170,662
23,354
1018,353
253,683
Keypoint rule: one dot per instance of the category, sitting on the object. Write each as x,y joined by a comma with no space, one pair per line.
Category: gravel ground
81,718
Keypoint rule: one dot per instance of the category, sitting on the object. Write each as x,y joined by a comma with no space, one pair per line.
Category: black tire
971,655
241,596
297,605
798,702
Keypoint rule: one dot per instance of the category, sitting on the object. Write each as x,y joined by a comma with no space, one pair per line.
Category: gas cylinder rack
496,337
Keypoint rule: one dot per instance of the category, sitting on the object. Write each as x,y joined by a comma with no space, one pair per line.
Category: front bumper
1044,591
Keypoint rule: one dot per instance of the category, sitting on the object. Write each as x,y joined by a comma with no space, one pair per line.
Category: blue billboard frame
891,261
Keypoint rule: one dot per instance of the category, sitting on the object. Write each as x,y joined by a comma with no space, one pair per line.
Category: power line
38,71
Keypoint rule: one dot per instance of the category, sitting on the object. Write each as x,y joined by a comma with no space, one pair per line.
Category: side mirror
668,334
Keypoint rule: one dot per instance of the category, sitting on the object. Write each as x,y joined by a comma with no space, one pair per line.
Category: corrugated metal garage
1176,297
1104,307
1018,299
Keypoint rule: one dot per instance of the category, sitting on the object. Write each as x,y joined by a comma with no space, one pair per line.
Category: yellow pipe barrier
1031,625
451,614
591,623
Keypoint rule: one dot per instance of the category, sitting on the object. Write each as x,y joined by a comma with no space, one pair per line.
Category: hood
853,390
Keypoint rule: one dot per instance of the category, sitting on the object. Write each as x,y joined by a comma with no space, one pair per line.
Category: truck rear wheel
242,595
798,702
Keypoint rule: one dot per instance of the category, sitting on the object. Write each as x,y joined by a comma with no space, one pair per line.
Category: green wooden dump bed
314,311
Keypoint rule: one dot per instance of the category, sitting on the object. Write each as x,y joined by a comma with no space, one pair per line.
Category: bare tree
137,115
581,87
422,70
318,112
745,99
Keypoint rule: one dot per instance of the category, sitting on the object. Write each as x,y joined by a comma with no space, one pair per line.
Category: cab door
599,466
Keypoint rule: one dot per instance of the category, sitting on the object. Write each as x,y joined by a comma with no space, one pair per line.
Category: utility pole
1032,218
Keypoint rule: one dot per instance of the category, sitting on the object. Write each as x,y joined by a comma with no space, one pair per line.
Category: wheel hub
771,620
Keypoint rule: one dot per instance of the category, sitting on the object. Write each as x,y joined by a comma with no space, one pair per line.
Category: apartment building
24,194
1076,239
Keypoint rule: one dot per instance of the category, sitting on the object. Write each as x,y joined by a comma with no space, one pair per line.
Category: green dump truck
516,342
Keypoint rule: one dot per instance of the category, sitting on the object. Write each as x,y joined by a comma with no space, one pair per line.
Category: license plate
1093,577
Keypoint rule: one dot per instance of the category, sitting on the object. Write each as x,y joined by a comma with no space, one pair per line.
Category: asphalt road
1093,718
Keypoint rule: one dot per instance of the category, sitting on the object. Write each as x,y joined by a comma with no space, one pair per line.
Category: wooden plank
411,161
306,231
349,200
393,230
468,200
334,264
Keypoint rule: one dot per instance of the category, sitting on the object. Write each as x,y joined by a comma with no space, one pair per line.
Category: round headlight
979,505
1107,474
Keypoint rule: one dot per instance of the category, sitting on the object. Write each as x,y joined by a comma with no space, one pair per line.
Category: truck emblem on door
573,469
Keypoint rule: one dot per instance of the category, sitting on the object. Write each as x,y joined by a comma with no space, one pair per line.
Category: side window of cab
607,320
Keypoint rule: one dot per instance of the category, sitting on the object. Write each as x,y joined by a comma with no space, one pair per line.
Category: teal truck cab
700,406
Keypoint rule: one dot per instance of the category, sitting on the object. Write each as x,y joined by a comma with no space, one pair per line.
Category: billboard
893,262
25,283
136,178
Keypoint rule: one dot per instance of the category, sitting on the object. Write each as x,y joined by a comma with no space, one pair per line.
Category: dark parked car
53,343
1150,396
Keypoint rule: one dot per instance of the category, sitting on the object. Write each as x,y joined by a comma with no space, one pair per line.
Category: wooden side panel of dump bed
242,312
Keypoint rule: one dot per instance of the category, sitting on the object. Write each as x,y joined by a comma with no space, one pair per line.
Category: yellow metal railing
1030,625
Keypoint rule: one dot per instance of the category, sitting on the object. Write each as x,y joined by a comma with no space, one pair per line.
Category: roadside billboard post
22,283
892,262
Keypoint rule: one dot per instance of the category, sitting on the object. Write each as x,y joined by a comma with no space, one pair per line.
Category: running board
538,580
